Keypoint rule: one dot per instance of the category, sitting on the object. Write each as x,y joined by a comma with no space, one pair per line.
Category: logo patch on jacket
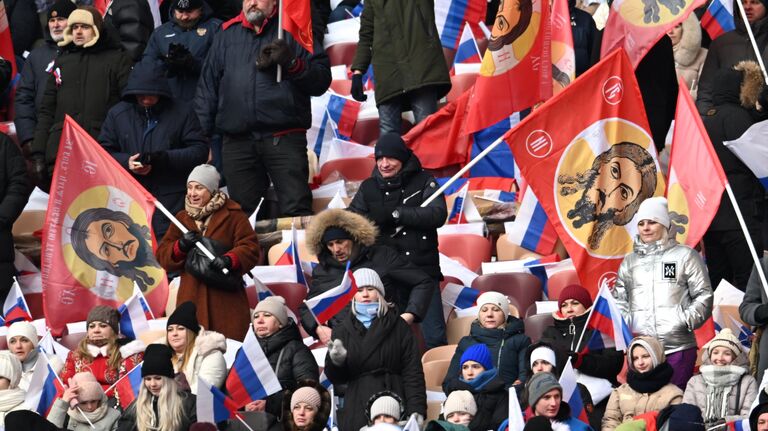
669,270
202,31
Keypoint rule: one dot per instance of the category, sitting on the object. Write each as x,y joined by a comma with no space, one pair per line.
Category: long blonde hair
115,359
179,363
169,407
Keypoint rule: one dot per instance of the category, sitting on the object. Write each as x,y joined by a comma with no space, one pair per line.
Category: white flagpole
279,34
754,47
743,224
591,310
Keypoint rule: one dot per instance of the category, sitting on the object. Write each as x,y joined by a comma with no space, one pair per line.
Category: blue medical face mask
365,313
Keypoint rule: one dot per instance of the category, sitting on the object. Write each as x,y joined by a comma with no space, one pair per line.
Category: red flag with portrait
563,54
297,20
591,171
98,238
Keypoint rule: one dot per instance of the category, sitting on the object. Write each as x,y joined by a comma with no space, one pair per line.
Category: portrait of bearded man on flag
512,19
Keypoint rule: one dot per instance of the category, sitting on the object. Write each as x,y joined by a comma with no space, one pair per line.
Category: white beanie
24,329
459,401
207,175
494,298
10,368
654,209
385,405
543,353
274,305
366,277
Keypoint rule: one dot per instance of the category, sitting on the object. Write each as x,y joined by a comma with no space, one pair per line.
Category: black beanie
61,9
333,233
187,4
757,411
186,316
681,417
157,361
538,423
392,145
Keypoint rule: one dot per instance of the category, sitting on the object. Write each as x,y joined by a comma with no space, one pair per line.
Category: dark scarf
651,381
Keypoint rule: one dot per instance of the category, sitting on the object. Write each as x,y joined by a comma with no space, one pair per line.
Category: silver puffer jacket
663,291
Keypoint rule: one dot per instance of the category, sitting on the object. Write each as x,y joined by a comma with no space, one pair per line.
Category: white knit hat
724,338
274,305
459,401
494,298
385,405
207,175
543,353
654,209
10,368
24,329
366,277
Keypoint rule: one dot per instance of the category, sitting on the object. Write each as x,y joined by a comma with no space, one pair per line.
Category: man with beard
34,74
180,45
619,180
263,121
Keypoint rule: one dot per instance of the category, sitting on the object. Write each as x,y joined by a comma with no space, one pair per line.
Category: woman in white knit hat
663,288
11,395
83,403
22,342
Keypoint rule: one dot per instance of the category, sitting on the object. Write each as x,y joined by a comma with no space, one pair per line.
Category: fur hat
539,384
360,229
653,347
274,305
654,209
494,298
157,361
61,9
577,292
366,277
10,368
478,353
185,315
207,175
392,145
105,314
385,405
460,402
24,329
543,353
307,395
83,15
724,338
90,388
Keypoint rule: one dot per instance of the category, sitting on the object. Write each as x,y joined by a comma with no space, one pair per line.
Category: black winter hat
61,9
757,411
185,315
681,417
335,232
187,4
157,361
538,423
392,145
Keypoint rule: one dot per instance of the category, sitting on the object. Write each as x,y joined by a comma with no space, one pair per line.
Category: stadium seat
70,341
439,353
559,280
433,410
277,250
536,324
3,343
460,84
506,250
152,336
434,374
471,249
294,294
342,87
457,328
351,169
366,131
341,53
521,288
449,279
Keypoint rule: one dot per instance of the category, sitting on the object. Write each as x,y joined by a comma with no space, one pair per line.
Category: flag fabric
515,421
343,112
44,387
591,171
745,334
297,20
467,51
518,51
98,236
251,377
718,18
696,178
739,425
28,275
126,389
212,405
636,25
539,269
331,302
499,162
531,228
562,52
291,257
478,183
458,296
133,316
412,424
750,148
50,346
571,394
609,328
335,148
450,16
15,307
457,209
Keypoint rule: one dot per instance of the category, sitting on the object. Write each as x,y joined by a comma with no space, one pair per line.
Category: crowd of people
215,96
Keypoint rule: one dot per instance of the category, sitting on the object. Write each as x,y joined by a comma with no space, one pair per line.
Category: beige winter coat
689,55
625,403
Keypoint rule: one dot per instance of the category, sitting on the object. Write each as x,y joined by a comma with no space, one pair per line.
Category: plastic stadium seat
472,249
460,84
433,410
457,328
558,281
536,324
342,86
506,250
434,374
294,294
152,336
351,169
341,53
523,289
366,131
70,341
439,353
449,279
3,343
277,250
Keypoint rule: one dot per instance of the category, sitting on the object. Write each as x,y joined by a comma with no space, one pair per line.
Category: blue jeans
423,102
433,324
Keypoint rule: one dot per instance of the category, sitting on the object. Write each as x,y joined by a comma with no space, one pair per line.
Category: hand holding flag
329,303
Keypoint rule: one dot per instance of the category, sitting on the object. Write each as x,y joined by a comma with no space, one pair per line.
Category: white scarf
95,351
93,416
720,379
11,398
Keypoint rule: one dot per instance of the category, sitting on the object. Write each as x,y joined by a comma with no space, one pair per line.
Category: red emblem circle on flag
613,90
608,279
538,144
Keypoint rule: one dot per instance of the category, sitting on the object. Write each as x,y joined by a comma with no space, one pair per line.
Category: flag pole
743,224
184,229
279,34
462,171
754,47
62,385
312,313
591,310
240,418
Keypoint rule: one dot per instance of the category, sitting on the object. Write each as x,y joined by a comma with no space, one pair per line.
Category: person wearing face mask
306,408
100,351
373,349
281,341
663,288
83,403
648,384
725,390
502,333
22,342
545,396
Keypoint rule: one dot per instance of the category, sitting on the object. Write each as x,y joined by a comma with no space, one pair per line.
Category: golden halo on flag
521,21
107,246
602,176
652,13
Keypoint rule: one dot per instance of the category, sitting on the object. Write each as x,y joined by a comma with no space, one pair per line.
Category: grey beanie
539,384
207,175
385,405
366,277
274,305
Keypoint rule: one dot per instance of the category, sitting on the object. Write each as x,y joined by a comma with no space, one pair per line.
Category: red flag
591,171
696,178
518,52
101,6
98,238
297,20
636,25
563,54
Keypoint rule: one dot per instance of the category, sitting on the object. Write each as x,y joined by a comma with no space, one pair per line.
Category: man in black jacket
338,237
14,193
392,199
134,24
263,121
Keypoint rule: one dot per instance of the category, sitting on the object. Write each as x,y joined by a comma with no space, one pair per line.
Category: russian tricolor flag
127,388
15,307
251,377
571,394
328,304
134,315
464,209
291,257
343,112
450,16
459,297
609,328
718,19
538,268
531,228
751,149
212,405
44,387
740,425
467,52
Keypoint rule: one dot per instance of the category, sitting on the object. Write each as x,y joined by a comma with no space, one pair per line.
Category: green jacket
400,38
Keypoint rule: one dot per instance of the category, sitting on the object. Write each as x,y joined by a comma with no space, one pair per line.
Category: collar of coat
240,19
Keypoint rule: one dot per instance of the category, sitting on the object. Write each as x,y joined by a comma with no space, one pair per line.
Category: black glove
221,262
761,314
381,216
179,59
357,88
188,240
39,168
156,159
274,53
575,359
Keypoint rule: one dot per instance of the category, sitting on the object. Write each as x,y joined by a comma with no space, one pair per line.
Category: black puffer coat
25,26
29,92
417,240
383,357
134,23
14,193
492,402
127,421
290,359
